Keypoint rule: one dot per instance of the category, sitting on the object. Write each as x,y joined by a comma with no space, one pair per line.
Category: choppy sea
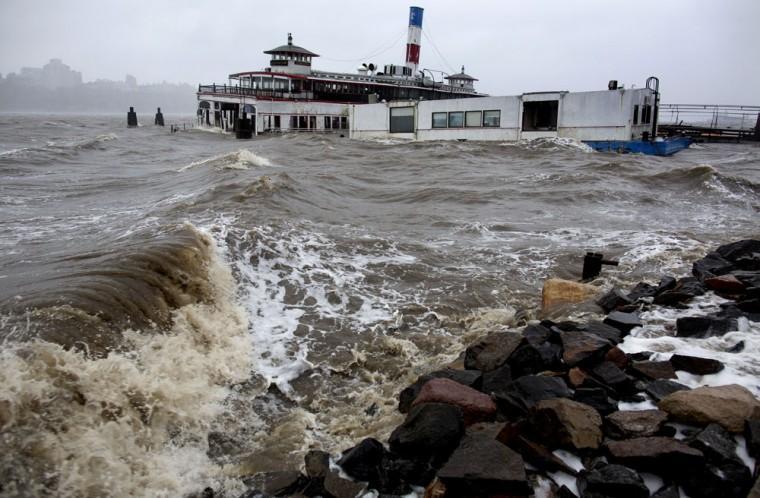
181,310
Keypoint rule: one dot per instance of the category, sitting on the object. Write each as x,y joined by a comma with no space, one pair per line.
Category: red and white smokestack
413,39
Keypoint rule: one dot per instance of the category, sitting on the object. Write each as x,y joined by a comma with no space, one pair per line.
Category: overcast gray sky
703,51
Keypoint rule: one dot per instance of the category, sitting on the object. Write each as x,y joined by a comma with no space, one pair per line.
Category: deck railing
739,117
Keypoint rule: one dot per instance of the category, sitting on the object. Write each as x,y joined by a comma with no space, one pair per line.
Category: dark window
440,120
293,122
636,114
343,123
302,122
473,119
312,122
540,115
456,119
327,122
492,119
335,122
402,120
277,122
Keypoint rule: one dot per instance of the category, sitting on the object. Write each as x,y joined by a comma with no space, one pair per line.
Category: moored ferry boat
290,95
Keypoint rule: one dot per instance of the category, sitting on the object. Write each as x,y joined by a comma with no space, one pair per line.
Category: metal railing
738,117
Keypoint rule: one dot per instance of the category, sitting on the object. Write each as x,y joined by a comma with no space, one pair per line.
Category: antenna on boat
653,83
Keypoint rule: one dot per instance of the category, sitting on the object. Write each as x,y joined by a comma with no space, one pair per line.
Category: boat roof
290,49
461,76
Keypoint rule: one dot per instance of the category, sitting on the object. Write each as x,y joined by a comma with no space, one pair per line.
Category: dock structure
710,123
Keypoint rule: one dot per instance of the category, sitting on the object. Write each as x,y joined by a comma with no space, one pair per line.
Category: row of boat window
310,122
646,114
467,119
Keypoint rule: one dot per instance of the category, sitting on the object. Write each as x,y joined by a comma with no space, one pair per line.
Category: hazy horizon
702,51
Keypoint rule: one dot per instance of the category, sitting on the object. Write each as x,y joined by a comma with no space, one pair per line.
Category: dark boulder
364,461
726,284
696,365
529,359
492,351
534,453
482,466
662,455
337,487
666,283
476,406
613,300
703,326
317,463
430,432
278,483
625,322
685,290
581,347
526,391
617,357
566,423
710,266
469,378
661,388
716,443
596,398
752,436
634,423
497,380
730,479
612,376
739,249
668,491
653,370
612,481
612,334
642,290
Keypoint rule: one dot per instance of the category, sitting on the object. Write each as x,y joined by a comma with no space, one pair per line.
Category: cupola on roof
291,49
461,76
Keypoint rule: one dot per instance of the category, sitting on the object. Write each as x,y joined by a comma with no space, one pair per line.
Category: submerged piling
159,121
132,118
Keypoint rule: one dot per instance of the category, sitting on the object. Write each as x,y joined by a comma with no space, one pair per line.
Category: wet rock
580,347
661,388
431,431
730,479
641,290
612,334
535,454
476,406
567,423
624,322
529,359
736,348
617,357
481,466
526,391
610,375
435,489
661,455
497,380
613,300
727,284
469,378
558,292
596,398
641,356
317,463
278,483
666,283
703,326
612,481
492,351
634,423
337,487
576,376
685,290
747,248
728,406
716,443
752,436
710,266
750,306
653,370
669,491
364,461
696,365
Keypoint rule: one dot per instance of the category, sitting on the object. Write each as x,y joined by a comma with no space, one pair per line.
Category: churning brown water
178,311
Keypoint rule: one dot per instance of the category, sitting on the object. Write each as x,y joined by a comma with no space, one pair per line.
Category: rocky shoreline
547,411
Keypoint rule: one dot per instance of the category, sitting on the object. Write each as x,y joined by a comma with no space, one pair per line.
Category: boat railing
238,90
738,117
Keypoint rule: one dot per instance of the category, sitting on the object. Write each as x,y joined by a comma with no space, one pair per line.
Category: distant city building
54,74
130,81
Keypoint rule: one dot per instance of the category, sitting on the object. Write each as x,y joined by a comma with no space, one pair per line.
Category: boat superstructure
290,95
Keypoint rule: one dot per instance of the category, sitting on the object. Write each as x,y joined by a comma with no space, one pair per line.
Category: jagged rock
736,348
653,370
661,388
538,455
469,378
666,283
576,376
641,290
685,290
481,466
278,483
730,479
747,248
317,463
492,351
526,391
557,292
612,334
661,455
710,266
580,347
337,487
695,364
752,436
703,326
631,424
435,489
617,357
430,431
529,359
496,380
728,406
728,284
750,306
476,406
567,423
668,491
596,398
716,443
364,461
612,481
613,300
610,375
625,322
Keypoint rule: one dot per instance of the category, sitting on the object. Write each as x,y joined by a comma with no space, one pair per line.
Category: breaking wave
240,159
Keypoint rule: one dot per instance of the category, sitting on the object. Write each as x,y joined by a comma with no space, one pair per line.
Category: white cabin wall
508,129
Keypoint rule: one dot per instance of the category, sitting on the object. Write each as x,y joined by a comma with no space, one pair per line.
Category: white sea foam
240,159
